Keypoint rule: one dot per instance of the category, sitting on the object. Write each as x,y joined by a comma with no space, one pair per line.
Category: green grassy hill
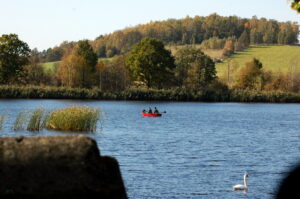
275,58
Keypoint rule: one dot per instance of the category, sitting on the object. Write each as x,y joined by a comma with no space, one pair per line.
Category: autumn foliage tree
113,76
228,48
68,72
78,69
34,74
252,76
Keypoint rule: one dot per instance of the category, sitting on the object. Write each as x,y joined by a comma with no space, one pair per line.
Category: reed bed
21,121
208,94
1,120
73,118
36,121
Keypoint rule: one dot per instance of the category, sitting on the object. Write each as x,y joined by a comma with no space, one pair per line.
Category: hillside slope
186,31
275,58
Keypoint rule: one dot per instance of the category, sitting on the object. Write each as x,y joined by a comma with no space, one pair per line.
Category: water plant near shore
73,118
21,120
207,94
36,120
1,120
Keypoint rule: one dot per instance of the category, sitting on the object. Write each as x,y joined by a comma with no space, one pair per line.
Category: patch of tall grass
208,94
21,120
36,120
40,92
74,118
1,120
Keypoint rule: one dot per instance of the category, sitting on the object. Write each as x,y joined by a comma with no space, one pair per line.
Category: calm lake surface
196,150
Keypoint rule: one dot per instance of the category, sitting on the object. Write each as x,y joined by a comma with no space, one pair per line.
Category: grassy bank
205,95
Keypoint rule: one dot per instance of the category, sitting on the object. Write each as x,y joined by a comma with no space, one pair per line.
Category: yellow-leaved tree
78,69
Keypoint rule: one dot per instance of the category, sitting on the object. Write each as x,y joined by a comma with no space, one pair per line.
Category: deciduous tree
194,69
14,54
150,63
34,74
113,76
228,48
252,76
78,69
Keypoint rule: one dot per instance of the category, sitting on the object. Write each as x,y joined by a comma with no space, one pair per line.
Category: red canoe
151,115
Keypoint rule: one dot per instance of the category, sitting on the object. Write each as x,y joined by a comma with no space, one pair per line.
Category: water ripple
196,150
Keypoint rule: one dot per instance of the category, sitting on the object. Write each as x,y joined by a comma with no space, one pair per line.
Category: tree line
198,29
189,30
147,65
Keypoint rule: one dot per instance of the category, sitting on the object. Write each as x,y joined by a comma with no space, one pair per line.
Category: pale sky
47,23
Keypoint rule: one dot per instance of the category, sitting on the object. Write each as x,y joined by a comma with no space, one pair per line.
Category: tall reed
1,120
21,120
209,94
36,120
74,118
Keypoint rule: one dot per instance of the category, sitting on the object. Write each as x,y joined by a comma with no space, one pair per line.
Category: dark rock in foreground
57,167
290,185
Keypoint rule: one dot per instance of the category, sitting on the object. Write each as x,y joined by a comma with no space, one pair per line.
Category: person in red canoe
150,110
156,111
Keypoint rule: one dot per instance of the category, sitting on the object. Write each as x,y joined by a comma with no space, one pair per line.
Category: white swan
240,186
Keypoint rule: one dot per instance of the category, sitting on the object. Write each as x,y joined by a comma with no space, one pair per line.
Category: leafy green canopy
85,50
14,53
151,63
194,68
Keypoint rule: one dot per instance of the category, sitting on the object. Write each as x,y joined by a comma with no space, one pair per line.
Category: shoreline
139,94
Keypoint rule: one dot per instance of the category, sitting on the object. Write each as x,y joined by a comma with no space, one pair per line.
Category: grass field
107,60
275,58
210,52
50,67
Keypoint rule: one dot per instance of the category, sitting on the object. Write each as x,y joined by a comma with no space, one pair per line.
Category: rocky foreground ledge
57,167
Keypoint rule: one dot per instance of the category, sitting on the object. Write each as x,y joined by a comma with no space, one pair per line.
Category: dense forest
189,30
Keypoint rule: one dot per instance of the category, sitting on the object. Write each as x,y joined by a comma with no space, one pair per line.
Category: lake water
195,150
